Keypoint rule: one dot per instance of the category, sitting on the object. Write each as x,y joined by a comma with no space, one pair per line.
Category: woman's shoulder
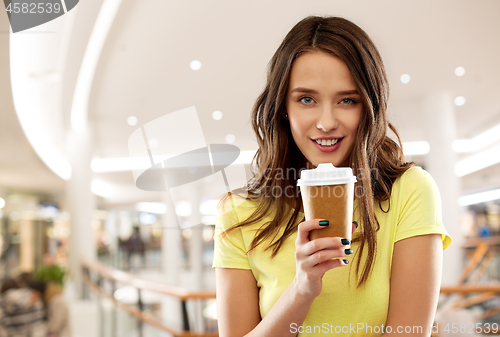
415,180
415,175
234,208
236,202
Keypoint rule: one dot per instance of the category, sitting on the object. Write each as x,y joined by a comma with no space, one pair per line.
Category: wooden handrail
474,242
472,288
474,262
140,283
474,270
473,300
483,267
142,315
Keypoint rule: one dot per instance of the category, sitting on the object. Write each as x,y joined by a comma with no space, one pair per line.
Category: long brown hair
375,158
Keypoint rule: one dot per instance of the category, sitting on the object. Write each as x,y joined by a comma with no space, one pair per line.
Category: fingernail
345,242
348,251
324,223
345,261
356,224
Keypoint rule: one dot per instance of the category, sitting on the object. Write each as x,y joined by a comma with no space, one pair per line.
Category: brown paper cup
333,203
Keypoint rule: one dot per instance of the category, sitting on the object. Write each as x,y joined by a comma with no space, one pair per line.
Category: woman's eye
347,101
306,100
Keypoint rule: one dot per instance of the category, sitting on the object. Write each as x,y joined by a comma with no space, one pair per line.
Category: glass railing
133,306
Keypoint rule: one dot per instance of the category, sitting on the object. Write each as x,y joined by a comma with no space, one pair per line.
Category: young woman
327,82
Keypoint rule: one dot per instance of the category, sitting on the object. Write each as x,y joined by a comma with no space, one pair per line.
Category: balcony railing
96,274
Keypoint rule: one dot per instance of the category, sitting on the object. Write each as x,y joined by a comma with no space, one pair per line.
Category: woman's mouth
327,145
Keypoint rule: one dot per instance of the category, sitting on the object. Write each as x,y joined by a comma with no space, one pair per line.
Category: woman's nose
327,120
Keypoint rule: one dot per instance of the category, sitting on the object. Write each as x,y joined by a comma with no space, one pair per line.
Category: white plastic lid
326,174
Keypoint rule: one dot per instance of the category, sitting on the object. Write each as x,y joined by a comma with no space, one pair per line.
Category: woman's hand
313,258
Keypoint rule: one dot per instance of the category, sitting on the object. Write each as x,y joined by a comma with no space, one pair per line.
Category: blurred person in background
24,279
21,311
135,248
56,308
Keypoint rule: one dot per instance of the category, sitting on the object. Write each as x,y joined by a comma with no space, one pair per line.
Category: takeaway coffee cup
328,193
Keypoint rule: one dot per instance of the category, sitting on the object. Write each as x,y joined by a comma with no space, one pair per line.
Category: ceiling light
100,188
208,219
183,208
478,142
132,120
209,207
488,137
230,138
416,148
2,202
217,115
459,71
405,78
151,207
464,145
478,198
147,218
195,65
478,161
459,100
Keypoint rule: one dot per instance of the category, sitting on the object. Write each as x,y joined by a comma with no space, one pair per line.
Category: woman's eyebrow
304,90
348,92
312,91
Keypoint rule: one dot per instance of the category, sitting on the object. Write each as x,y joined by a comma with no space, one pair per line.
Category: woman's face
323,105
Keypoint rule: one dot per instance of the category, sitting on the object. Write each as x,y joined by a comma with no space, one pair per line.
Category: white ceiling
20,167
144,71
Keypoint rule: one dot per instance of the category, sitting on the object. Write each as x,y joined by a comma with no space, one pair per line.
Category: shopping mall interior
95,100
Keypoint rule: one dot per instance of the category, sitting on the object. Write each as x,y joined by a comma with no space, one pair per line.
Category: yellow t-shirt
415,209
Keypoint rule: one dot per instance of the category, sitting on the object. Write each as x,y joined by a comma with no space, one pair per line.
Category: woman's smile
325,145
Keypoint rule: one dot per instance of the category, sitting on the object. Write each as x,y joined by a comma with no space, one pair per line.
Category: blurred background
73,90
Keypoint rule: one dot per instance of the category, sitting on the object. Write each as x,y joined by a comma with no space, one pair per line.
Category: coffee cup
328,193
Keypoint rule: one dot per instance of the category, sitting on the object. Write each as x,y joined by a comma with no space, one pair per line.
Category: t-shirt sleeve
230,251
420,211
